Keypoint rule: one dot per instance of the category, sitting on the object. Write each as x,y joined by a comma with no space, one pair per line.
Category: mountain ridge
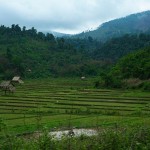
131,24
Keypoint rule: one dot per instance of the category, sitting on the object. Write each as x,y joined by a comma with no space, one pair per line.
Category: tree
9,54
50,37
41,35
90,39
24,29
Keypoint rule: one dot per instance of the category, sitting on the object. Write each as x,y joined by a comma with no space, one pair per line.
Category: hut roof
16,78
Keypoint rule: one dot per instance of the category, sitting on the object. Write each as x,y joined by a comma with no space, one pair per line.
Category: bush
97,84
145,86
111,81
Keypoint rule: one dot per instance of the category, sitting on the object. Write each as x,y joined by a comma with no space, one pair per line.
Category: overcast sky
67,16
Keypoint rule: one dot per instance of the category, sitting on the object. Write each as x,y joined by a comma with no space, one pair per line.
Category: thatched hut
4,84
17,79
7,86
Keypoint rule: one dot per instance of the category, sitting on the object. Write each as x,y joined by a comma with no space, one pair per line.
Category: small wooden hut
7,86
17,79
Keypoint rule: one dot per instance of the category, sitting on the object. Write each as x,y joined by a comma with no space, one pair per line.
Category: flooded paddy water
73,132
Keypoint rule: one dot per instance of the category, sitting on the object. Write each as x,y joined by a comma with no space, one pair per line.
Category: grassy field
59,103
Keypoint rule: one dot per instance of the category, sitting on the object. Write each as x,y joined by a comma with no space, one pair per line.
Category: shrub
145,86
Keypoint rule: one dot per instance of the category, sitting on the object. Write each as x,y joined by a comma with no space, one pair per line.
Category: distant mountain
58,34
132,24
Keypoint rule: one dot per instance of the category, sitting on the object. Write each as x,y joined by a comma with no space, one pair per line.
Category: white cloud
66,15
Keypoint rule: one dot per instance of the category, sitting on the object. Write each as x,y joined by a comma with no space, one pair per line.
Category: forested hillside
121,46
134,65
33,54
132,70
132,24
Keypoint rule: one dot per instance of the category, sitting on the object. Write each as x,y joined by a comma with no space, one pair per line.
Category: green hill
131,71
116,48
132,24
134,65
32,54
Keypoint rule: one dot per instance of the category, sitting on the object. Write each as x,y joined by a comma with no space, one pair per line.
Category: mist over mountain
132,24
59,34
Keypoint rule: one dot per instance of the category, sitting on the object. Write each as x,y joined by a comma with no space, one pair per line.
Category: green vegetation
21,50
116,48
134,65
32,54
60,103
54,97
131,71
54,101
114,138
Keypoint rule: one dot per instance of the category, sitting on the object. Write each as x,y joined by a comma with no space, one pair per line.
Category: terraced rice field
65,102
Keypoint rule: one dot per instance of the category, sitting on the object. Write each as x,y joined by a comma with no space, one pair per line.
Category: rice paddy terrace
58,103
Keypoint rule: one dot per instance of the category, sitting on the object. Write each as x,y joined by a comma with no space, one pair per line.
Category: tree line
33,54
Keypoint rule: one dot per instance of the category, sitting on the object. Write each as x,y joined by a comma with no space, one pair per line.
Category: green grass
60,101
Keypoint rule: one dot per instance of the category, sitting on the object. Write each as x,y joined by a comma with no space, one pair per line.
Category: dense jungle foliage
33,54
